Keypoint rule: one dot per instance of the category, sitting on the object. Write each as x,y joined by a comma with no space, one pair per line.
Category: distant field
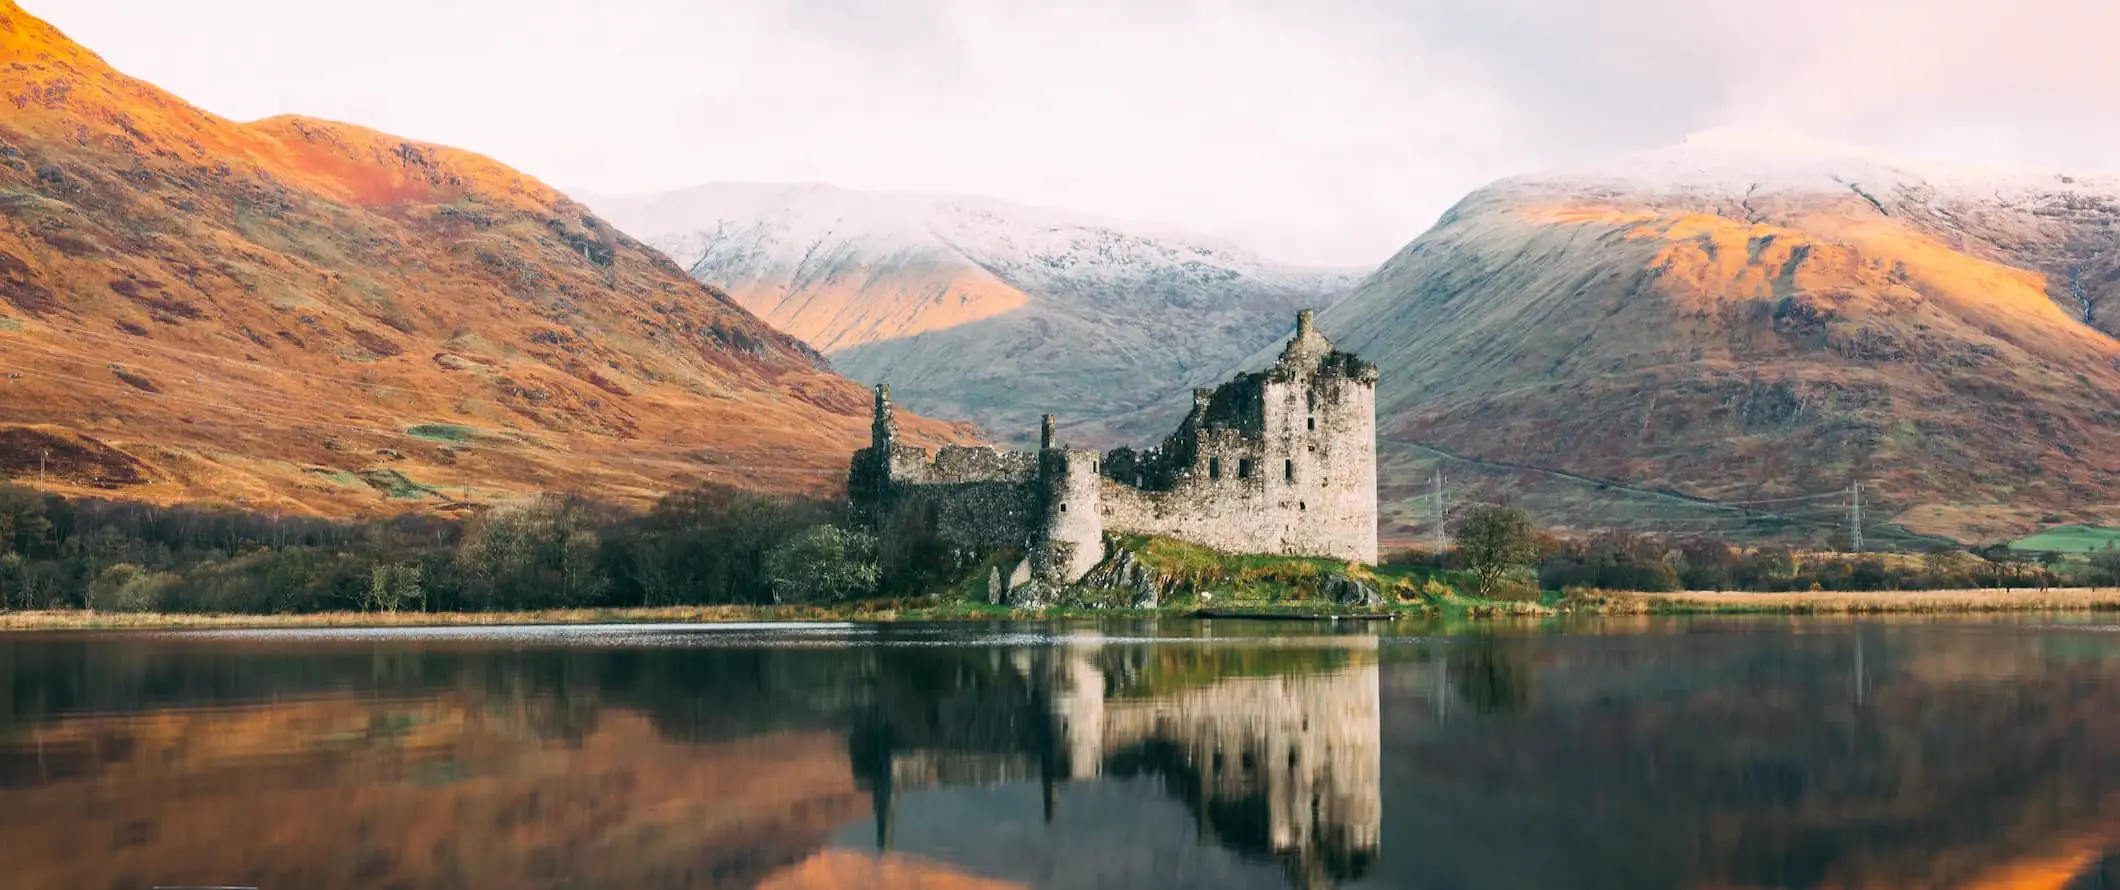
2069,539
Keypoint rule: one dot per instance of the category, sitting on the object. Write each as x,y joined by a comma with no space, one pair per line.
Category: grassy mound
1200,577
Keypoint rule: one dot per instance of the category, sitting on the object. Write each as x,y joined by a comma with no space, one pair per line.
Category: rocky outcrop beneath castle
1136,575
1144,587
1347,591
1021,588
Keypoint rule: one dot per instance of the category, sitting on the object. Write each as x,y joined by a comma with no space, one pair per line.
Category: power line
1855,516
1439,509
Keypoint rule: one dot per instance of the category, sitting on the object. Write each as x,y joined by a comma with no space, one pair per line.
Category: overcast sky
1329,131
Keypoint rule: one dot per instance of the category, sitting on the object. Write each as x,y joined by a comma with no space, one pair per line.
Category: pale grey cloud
1322,130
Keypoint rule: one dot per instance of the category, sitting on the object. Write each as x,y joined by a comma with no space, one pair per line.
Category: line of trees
702,546
1512,559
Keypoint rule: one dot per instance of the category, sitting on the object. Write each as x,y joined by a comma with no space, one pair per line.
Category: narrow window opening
1288,470
1313,424
1214,468
1063,508
1300,505
1243,468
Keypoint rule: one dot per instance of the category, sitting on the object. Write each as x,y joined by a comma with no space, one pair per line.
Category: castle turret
1073,539
1045,433
1308,346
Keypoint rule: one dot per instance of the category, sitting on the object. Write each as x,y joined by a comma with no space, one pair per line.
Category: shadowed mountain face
305,315
1741,321
982,310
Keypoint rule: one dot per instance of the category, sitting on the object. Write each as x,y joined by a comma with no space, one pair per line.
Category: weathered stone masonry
1280,461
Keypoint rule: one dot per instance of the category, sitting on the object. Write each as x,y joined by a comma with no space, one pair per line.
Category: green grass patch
1263,583
340,477
443,432
398,486
2069,539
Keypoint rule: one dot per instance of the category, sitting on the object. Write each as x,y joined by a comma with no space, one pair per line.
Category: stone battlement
1280,461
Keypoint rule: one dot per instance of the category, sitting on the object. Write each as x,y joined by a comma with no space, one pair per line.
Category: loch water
1624,753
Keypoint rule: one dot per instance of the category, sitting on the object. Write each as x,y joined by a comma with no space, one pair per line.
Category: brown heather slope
1669,325
308,316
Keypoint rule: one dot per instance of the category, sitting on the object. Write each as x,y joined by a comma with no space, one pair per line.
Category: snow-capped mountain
1725,162
1740,318
981,309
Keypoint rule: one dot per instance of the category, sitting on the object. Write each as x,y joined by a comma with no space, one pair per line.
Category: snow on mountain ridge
761,227
1737,162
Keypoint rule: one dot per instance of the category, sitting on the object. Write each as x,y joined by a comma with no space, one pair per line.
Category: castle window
1243,468
1288,470
1063,508
1214,468
1301,505
1313,424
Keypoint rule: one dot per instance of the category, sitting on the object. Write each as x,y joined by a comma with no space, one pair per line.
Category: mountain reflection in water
1656,754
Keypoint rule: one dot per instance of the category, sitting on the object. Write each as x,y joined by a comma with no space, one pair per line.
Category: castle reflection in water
1272,748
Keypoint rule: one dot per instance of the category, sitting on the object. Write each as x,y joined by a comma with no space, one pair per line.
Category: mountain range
1763,322
303,315
1725,335
982,310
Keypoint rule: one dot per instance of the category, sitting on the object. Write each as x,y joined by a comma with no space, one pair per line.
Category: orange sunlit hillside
308,316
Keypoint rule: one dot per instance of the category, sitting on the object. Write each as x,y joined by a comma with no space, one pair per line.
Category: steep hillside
304,315
1748,320
978,309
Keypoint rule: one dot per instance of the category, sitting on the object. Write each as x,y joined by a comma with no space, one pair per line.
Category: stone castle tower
1280,461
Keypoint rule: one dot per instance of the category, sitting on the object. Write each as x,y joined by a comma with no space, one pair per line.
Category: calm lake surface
1622,754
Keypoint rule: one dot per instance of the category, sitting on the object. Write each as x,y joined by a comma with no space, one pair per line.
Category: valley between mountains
305,316
1718,337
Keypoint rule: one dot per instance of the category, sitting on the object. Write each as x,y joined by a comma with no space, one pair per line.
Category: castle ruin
1280,461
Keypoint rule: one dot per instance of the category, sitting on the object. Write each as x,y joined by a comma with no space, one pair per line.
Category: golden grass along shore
2059,599
81,619
1598,603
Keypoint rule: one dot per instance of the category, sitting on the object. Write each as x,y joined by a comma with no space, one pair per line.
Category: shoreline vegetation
720,555
1581,604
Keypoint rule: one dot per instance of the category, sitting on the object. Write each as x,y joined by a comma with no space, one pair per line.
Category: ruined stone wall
982,499
1280,461
1304,486
984,516
959,464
